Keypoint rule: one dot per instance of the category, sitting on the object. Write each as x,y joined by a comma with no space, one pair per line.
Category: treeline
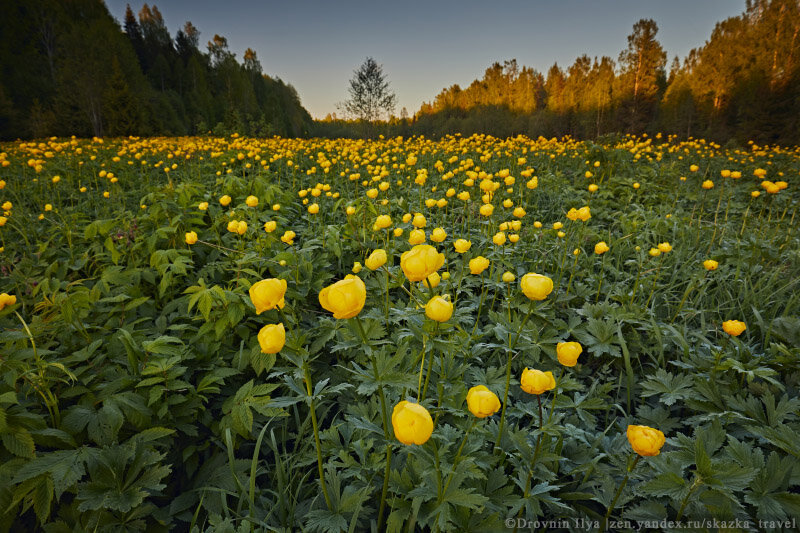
68,68
744,83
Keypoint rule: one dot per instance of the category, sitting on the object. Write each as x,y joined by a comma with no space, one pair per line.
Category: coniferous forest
68,68
742,84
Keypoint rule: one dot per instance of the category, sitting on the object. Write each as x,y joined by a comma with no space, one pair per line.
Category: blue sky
425,46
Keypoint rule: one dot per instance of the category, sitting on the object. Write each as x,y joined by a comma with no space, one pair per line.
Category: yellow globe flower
708,184
420,262
710,264
203,206
601,247
345,298
645,441
499,238
225,200
288,237
568,353
487,210
272,338
665,247
439,309
438,235
417,236
251,201
241,227
462,245
419,221
734,327
270,226
654,252
268,294
536,286
536,382
313,208
482,402
509,277
478,264
412,423
584,213
432,281
593,187
356,267
190,237
382,222
7,300
376,259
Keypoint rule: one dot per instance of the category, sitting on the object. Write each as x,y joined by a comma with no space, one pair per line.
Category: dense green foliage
134,395
67,68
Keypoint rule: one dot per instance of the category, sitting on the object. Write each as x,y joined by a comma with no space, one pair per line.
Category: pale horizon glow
425,47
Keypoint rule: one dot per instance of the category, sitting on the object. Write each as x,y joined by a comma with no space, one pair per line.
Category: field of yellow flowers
464,334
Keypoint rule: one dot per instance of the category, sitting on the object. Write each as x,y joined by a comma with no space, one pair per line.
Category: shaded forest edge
742,84
68,68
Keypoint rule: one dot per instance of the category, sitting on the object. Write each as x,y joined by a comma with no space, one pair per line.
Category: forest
742,84
56,78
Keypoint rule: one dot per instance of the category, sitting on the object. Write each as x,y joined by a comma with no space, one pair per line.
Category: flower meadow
463,334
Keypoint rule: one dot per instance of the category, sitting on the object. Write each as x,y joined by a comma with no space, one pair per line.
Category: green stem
317,443
616,496
508,375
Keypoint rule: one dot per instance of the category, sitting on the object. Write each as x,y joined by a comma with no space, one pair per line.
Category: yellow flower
251,201
417,236
478,265
439,309
654,252
191,237
268,294
734,327
536,382
7,299
397,232
694,168
106,194
499,238
568,353
558,225
48,207
665,247
420,262
708,184
382,222
418,222
636,185
438,235
482,402
584,213
276,207
3,221
514,237
536,286
356,267
572,214
376,259
433,280
313,208
345,298
509,277
288,237
407,218
350,210
412,423
487,210
271,338
225,200
270,226
710,264
601,247
462,245
645,440
537,225
202,206
518,212
241,227
233,225
593,188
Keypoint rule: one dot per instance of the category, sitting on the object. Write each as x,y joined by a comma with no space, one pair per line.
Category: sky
425,46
